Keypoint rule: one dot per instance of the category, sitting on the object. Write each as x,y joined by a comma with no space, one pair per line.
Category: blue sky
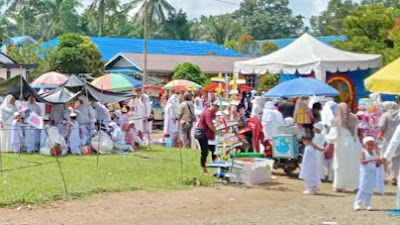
196,8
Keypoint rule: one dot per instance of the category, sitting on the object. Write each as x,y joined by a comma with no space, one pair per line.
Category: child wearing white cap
319,145
16,133
370,162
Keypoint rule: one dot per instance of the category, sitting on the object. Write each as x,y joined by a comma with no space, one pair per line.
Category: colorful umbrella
214,86
116,82
51,78
385,80
181,85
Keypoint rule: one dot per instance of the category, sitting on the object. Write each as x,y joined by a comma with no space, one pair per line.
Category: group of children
125,137
312,171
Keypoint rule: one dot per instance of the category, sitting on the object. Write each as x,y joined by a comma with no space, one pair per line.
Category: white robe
138,114
53,139
346,157
170,117
32,134
390,153
309,172
319,140
6,117
74,140
43,135
271,120
103,114
16,136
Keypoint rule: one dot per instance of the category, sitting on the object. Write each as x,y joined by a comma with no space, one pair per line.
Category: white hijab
7,109
328,113
85,111
174,103
198,108
270,114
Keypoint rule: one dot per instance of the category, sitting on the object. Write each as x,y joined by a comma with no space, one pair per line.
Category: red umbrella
213,87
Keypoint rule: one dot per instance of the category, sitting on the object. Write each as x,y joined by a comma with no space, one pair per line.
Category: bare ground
280,202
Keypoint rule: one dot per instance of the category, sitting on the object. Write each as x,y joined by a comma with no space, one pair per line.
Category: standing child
319,145
74,138
309,172
370,161
16,133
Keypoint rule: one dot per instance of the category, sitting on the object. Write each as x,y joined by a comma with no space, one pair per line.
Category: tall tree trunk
101,16
145,36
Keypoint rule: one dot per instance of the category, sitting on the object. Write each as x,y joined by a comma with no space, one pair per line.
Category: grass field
36,179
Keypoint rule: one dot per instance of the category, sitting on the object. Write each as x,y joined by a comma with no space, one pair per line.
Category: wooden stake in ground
101,122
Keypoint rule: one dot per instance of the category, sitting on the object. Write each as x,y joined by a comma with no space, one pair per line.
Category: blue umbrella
301,87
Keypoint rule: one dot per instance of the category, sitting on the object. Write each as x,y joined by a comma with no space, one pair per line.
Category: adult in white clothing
32,134
271,119
137,113
85,115
391,152
171,115
101,113
347,149
257,108
7,110
147,107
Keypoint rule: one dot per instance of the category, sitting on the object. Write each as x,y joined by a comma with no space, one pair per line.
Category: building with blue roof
111,46
18,41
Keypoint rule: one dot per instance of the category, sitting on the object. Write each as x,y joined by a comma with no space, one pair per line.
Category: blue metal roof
324,39
110,46
122,70
17,41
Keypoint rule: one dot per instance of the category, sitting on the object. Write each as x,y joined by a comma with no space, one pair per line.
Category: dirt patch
280,202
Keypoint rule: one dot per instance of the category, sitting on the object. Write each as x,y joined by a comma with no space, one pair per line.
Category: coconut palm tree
99,4
150,12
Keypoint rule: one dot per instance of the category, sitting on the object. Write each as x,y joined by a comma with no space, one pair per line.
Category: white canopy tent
306,55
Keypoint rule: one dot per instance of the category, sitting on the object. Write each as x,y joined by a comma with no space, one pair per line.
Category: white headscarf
7,109
257,108
270,114
117,134
173,100
198,109
85,111
147,104
328,113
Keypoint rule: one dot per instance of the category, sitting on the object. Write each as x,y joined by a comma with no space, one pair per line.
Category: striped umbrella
181,85
116,82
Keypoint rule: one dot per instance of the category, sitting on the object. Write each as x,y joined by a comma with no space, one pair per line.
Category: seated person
118,138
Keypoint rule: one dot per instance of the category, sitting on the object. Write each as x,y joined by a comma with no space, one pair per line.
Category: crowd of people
338,148
73,126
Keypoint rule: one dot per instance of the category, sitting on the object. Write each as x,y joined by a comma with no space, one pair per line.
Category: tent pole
101,122
21,98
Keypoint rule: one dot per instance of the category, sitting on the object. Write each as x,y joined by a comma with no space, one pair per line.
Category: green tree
30,54
330,21
190,72
267,82
268,19
245,44
267,48
368,28
77,54
176,27
152,11
218,29
99,6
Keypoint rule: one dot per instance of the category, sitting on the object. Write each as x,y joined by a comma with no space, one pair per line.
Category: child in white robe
16,133
74,138
309,172
44,131
370,163
319,145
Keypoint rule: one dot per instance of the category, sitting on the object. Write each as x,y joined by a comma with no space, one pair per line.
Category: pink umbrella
50,78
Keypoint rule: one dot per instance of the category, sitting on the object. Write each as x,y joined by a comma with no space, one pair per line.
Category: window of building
8,73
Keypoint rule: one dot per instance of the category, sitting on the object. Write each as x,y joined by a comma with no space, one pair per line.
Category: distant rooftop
19,41
110,46
324,39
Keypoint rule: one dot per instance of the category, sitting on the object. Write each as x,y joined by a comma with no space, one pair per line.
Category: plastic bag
106,144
